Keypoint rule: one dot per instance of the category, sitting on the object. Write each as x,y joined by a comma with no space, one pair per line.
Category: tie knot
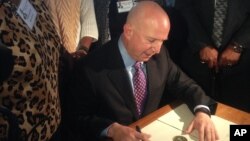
137,65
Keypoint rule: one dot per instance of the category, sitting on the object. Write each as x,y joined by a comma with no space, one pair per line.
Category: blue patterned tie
140,87
219,18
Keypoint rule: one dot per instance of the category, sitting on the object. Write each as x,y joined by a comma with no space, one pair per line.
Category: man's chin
146,58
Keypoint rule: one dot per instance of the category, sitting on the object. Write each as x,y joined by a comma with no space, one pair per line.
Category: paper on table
163,132
176,121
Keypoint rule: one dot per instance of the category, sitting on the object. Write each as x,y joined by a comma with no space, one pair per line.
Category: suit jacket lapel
153,80
120,80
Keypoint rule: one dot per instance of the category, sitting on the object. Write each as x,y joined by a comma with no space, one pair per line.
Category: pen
138,129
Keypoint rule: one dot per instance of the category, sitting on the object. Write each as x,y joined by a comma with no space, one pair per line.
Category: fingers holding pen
141,136
120,132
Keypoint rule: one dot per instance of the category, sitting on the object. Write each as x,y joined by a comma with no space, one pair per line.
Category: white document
163,132
176,121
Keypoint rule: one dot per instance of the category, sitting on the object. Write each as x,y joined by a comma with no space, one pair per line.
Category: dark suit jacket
200,13
233,82
103,92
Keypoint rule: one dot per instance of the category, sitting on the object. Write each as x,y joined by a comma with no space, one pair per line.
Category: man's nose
157,46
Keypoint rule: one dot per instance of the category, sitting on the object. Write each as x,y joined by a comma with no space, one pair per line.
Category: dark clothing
103,92
6,62
177,39
199,15
231,84
102,20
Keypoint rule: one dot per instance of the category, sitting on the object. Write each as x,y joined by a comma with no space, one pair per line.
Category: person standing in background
76,24
218,54
29,64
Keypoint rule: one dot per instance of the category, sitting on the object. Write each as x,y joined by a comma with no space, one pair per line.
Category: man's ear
127,30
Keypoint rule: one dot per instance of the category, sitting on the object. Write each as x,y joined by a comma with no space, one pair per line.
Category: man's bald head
146,28
144,12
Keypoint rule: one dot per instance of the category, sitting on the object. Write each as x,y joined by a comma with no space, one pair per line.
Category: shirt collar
128,61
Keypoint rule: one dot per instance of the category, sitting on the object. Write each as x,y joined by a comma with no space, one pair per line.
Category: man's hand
209,55
229,57
119,132
84,46
205,127
79,53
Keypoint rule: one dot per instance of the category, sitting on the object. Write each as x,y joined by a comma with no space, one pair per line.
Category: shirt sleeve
88,20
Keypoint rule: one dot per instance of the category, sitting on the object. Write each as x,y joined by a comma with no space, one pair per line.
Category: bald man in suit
104,90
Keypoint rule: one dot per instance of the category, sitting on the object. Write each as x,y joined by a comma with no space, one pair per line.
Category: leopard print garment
30,93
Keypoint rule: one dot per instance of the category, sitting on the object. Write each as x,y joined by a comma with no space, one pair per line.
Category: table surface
224,111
